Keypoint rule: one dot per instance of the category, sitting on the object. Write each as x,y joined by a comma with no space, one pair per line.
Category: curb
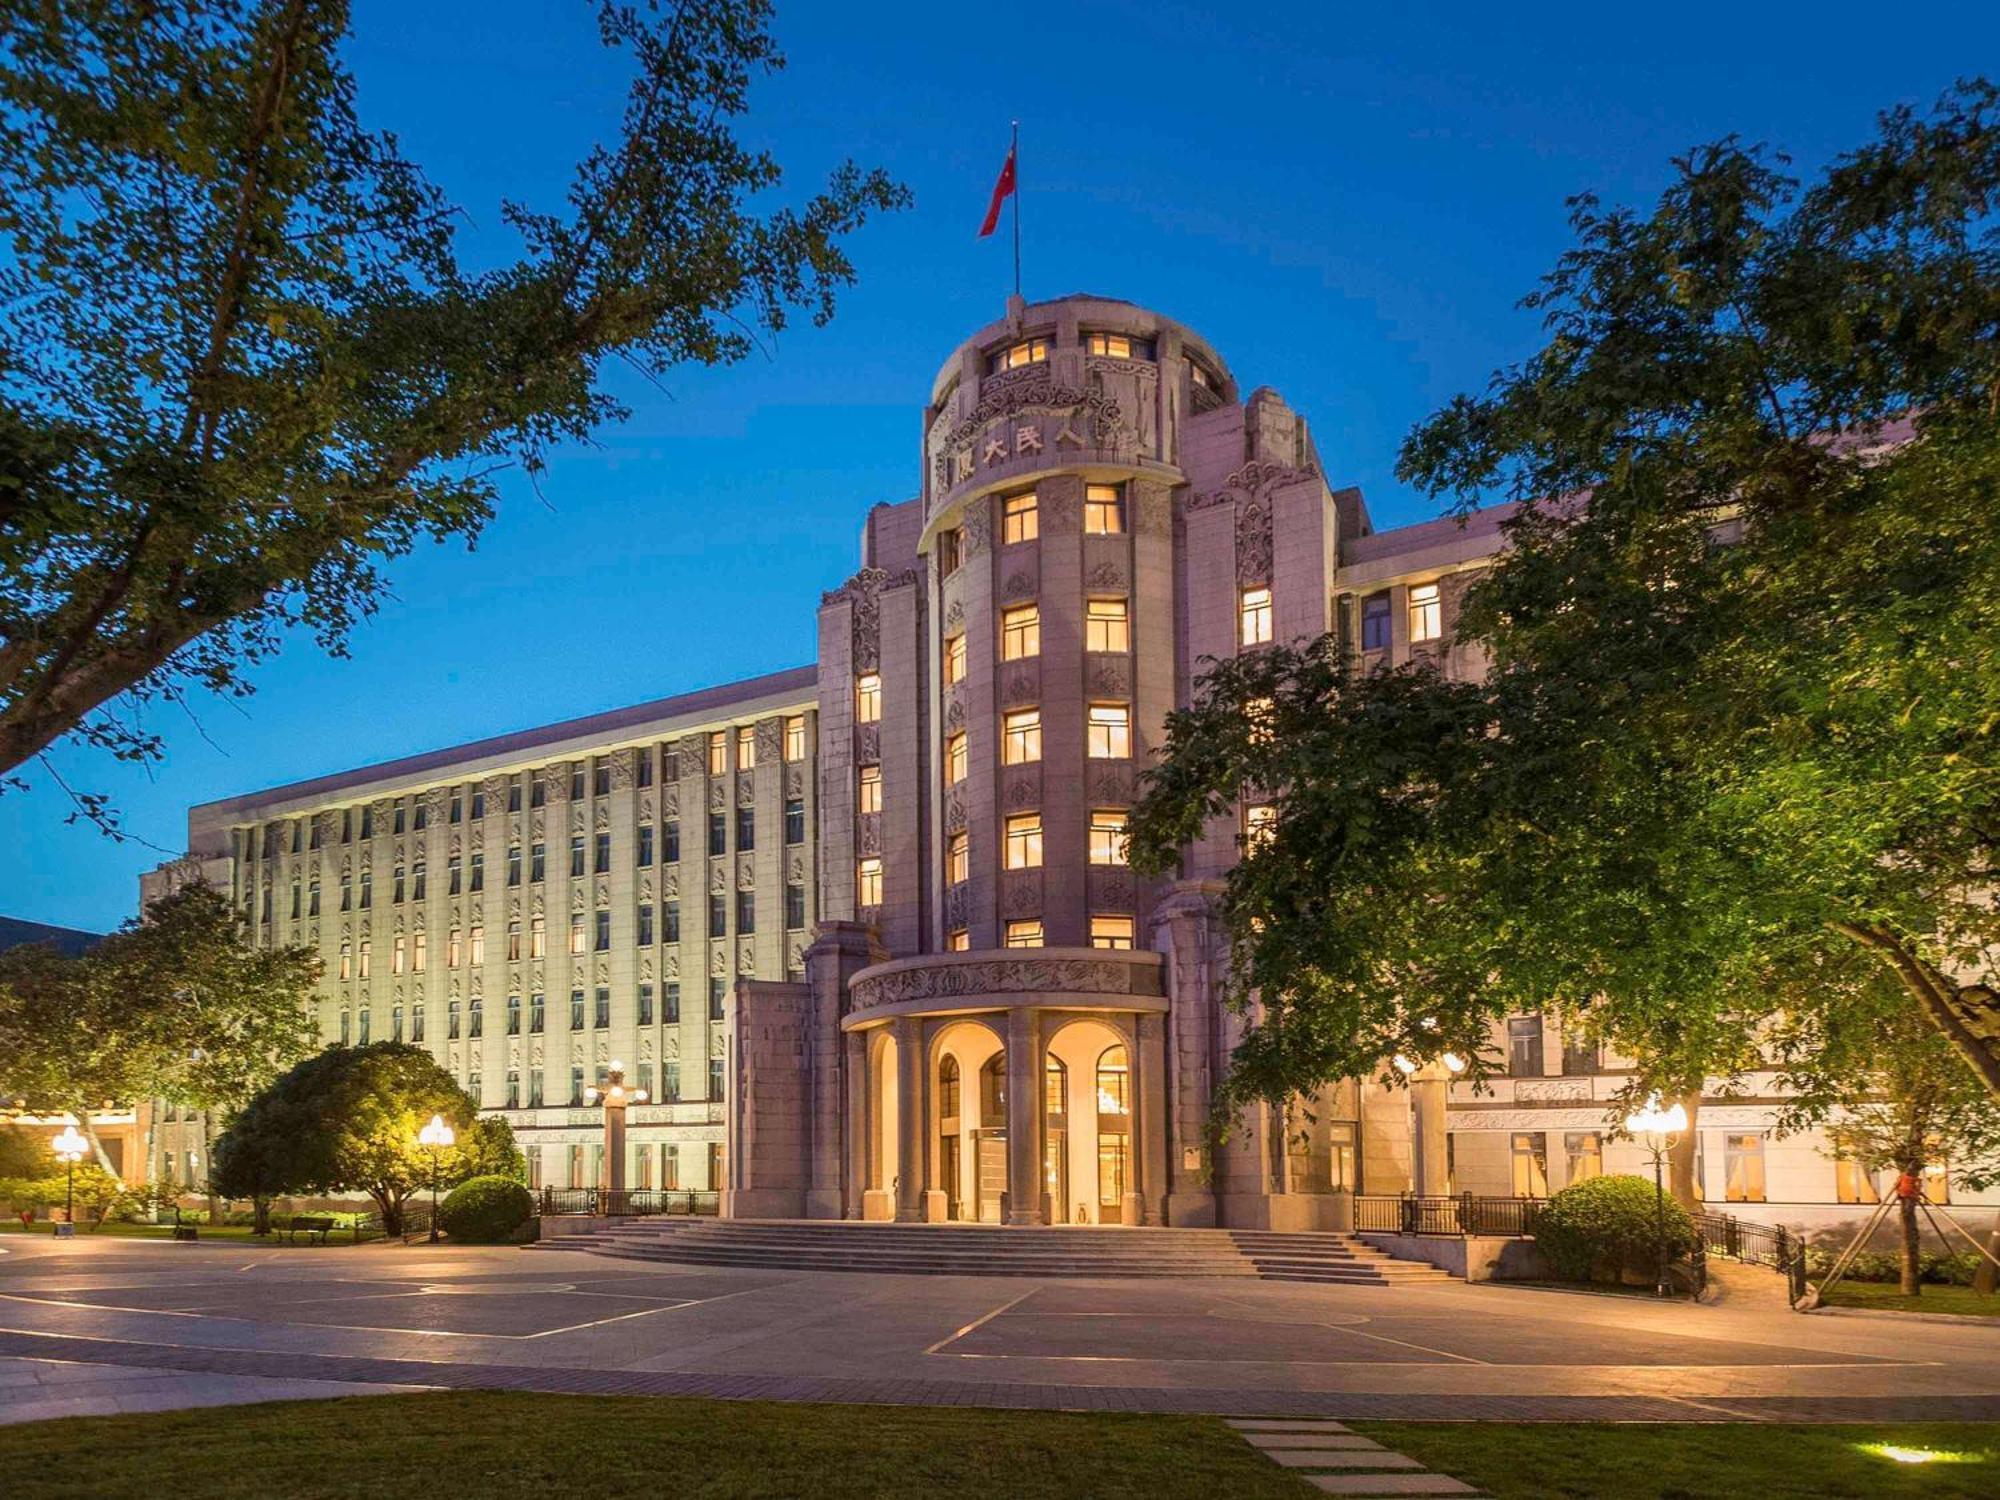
1970,1320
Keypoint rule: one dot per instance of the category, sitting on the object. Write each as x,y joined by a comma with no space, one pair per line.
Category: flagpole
1014,154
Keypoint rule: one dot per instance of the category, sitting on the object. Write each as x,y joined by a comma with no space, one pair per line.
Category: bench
309,1224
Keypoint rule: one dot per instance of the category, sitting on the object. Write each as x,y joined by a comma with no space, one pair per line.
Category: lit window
1027,352
1743,1167
1110,731
346,962
1854,1183
950,551
1021,736
868,882
1103,509
1531,1163
1024,933
419,946
538,937
1019,520
1255,612
396,957
476,946
746,748
1107,625
1020,632
1375,623
1198,373
954,658
871,789
954,758
577,934
1260,714
1110,932
361,959
453,949
1109,345
718,753
957,858
1584,1150
958,941
1107,835
1024,841
795,737
1260,823
1426,613
868,698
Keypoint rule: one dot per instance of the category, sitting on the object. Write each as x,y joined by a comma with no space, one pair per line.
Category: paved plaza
117,1324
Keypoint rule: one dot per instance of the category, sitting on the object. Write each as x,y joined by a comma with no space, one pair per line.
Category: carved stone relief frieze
746,957
871,834
868,743
1019,587
1021,683
718,796
1110,676
768,733
977,528
954,813
1107,575
718,961
718,877
1022,789
746,872
1054,976
795,781
1253,542
670,1046
746,792
718,1042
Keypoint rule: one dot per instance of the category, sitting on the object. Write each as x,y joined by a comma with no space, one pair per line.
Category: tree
174,1006
23,1153
1736,749
346,1120
1893,1096
243,366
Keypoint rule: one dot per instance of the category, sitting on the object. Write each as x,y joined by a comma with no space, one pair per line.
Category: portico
978,1072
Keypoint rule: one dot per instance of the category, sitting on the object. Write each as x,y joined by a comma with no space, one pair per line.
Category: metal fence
630,1203
1465,1214
1754,1244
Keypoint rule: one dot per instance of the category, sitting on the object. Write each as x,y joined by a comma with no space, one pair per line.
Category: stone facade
912,976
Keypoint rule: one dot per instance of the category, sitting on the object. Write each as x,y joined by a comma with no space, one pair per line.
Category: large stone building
864,931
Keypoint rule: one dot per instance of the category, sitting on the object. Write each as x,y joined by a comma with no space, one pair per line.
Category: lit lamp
435,1137
70,1148
1659,1131
615,1096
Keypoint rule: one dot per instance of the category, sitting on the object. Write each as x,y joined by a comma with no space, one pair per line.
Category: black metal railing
1465,1214
1770,1245
630,1203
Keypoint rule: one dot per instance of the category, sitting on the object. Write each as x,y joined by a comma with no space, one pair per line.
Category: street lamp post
435,1137
614,1096
69,1148
1660,1130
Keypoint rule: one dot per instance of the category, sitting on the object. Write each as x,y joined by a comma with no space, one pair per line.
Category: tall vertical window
601,854
795,737
670,841
954,758
643,855
718,833
1020,632
538,936
1426,613
715,1085
718,995
513,1015
478,880
479,802
671,1003
514,1089
871,789
1524,1046
576,1010
417,1020
646,1007
396,826
1853,1183
1107,625
1103,509
746,913
576,781
417,881
746,747
397,956
795,907
746,828
577,934
451,1019
954,658
718,915
718,753
795,820
514,941
670,921
1530,1155
1584,1151
575,855
538,862
868,698
346,961
1743,1167
1024,932
1107,931
1110,731
454,875
538,790
1254,613
1021,736
476,1016
419,946
868,882
601,1007
476,945
396,887
1260,824
957,858
513,864
600,777
642,767
958,940
644,934
1107,835
1375,623
950,551
602,930
1020,520
1024,841
454,949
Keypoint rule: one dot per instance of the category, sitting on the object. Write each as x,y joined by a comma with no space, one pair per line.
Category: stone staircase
991,1250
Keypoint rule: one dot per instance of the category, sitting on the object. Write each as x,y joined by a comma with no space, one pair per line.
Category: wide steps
993,1250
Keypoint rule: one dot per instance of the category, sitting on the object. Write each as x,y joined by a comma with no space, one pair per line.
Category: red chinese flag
1001,190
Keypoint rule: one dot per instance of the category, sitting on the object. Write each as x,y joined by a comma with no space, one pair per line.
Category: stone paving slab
34,1390
1268,1424
1335,1458
1269,1441
1389,1484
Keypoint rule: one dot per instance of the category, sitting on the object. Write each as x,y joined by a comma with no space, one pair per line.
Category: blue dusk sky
1346,200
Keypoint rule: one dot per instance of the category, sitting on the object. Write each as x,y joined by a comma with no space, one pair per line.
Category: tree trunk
1967,1015
261,1208
1906,1212
1987,1277
391,1206
1681,1159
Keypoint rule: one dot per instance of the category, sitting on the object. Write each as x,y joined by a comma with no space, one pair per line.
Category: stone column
911,1173
1432,1174
614,1146
1024,1116
857,1122
1150,1105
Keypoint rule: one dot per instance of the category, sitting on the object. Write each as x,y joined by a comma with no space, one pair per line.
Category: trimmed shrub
485,1210
1607,1229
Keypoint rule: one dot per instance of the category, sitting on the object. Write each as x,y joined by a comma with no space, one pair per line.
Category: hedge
1607,1229
486,1210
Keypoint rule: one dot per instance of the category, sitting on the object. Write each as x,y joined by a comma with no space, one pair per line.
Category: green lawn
1710,1461
1934,1299
480,1444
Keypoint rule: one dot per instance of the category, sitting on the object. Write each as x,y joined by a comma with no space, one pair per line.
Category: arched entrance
1089,1165
969,1071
